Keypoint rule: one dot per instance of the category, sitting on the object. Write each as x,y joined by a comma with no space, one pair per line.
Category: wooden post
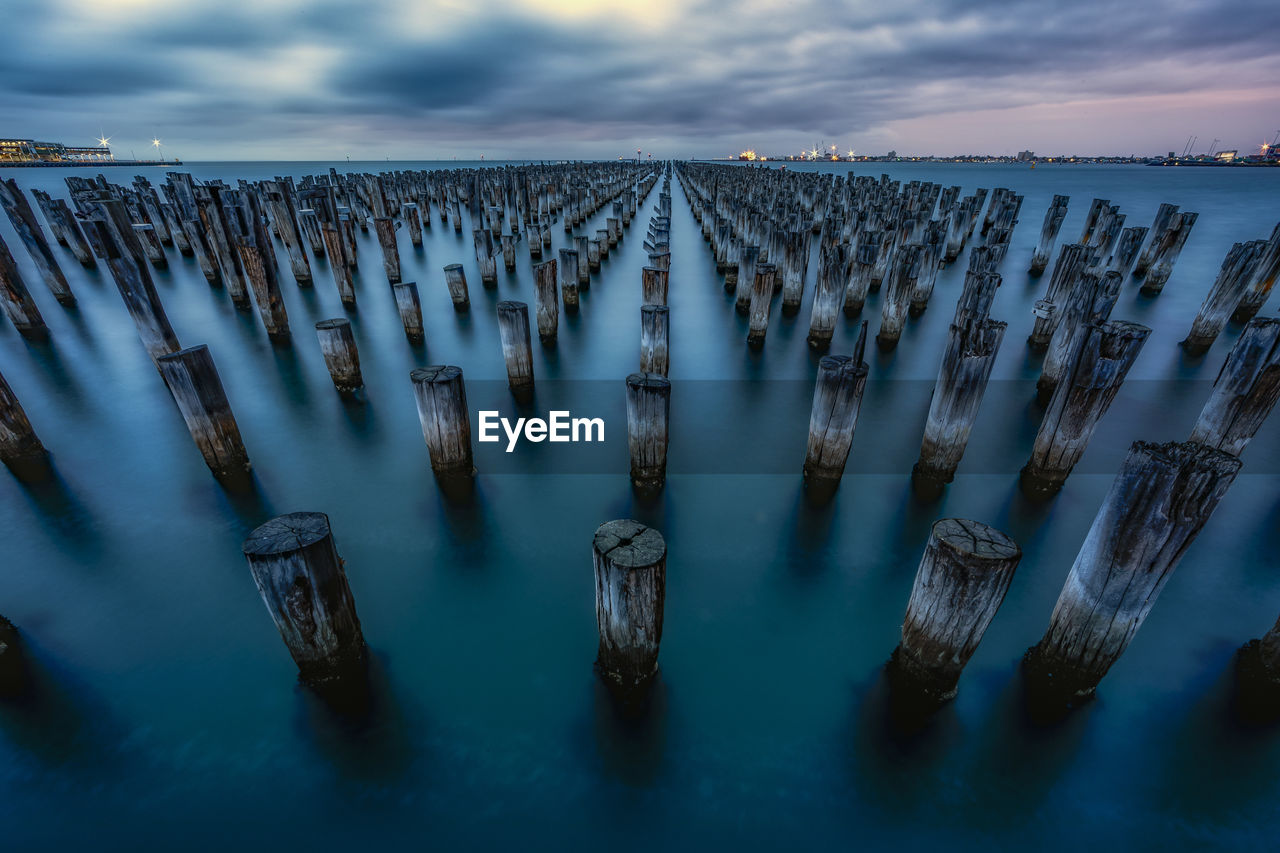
630,562
24,222
602,240
1048,233
648,413
117,242
336,252
569,278
509,252
1103,354
455,278
446,424
385,228
1127,250
746,278
1265,273
897,295
653,285
1090,301
151,245
655,328
546,300
192,379
1164,216
1167,251
338,345
517,352
18,441
1048,311
410,308
484,257
827,292
859,283
962,580
1258,673
1157,505
413,221
16,300
584,269
1224,296
1245,391
253,241
14,680
300,576
837,397
761,302
957,396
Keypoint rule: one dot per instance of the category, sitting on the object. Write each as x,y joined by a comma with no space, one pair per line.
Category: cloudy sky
321,79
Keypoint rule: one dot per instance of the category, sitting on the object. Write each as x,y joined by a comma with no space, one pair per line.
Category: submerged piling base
1257,685
1054,686
916,689
12,671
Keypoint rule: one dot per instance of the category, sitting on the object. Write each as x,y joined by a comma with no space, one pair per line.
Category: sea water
166,712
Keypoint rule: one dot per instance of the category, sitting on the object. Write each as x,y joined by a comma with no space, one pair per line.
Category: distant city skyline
521,79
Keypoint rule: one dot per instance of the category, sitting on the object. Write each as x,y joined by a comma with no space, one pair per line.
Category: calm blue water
168,716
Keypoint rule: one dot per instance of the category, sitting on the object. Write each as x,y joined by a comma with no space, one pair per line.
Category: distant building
1026,155
1225,156
29,150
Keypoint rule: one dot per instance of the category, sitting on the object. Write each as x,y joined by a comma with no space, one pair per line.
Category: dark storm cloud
449,73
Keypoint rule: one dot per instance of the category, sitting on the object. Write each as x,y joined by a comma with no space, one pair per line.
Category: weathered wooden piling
1102,356
648,414
116,241
962,580
385,228
584,270
412,219
957,396
827,292
569,279
1053,219
602,241
24,222
303,583
546,299
1245,391
16,300
253,242
455,278
517,352
192,379
1258,676
655,327
1159,502
1224,296
152,248
1168,249
1126,251
1070,265
1091,299
446,424
484,257
761,302
509,252
746,278
410,308
18,441
630,562
1265,273
837,397
338,345
859,275
1164,216
897,295
653,285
